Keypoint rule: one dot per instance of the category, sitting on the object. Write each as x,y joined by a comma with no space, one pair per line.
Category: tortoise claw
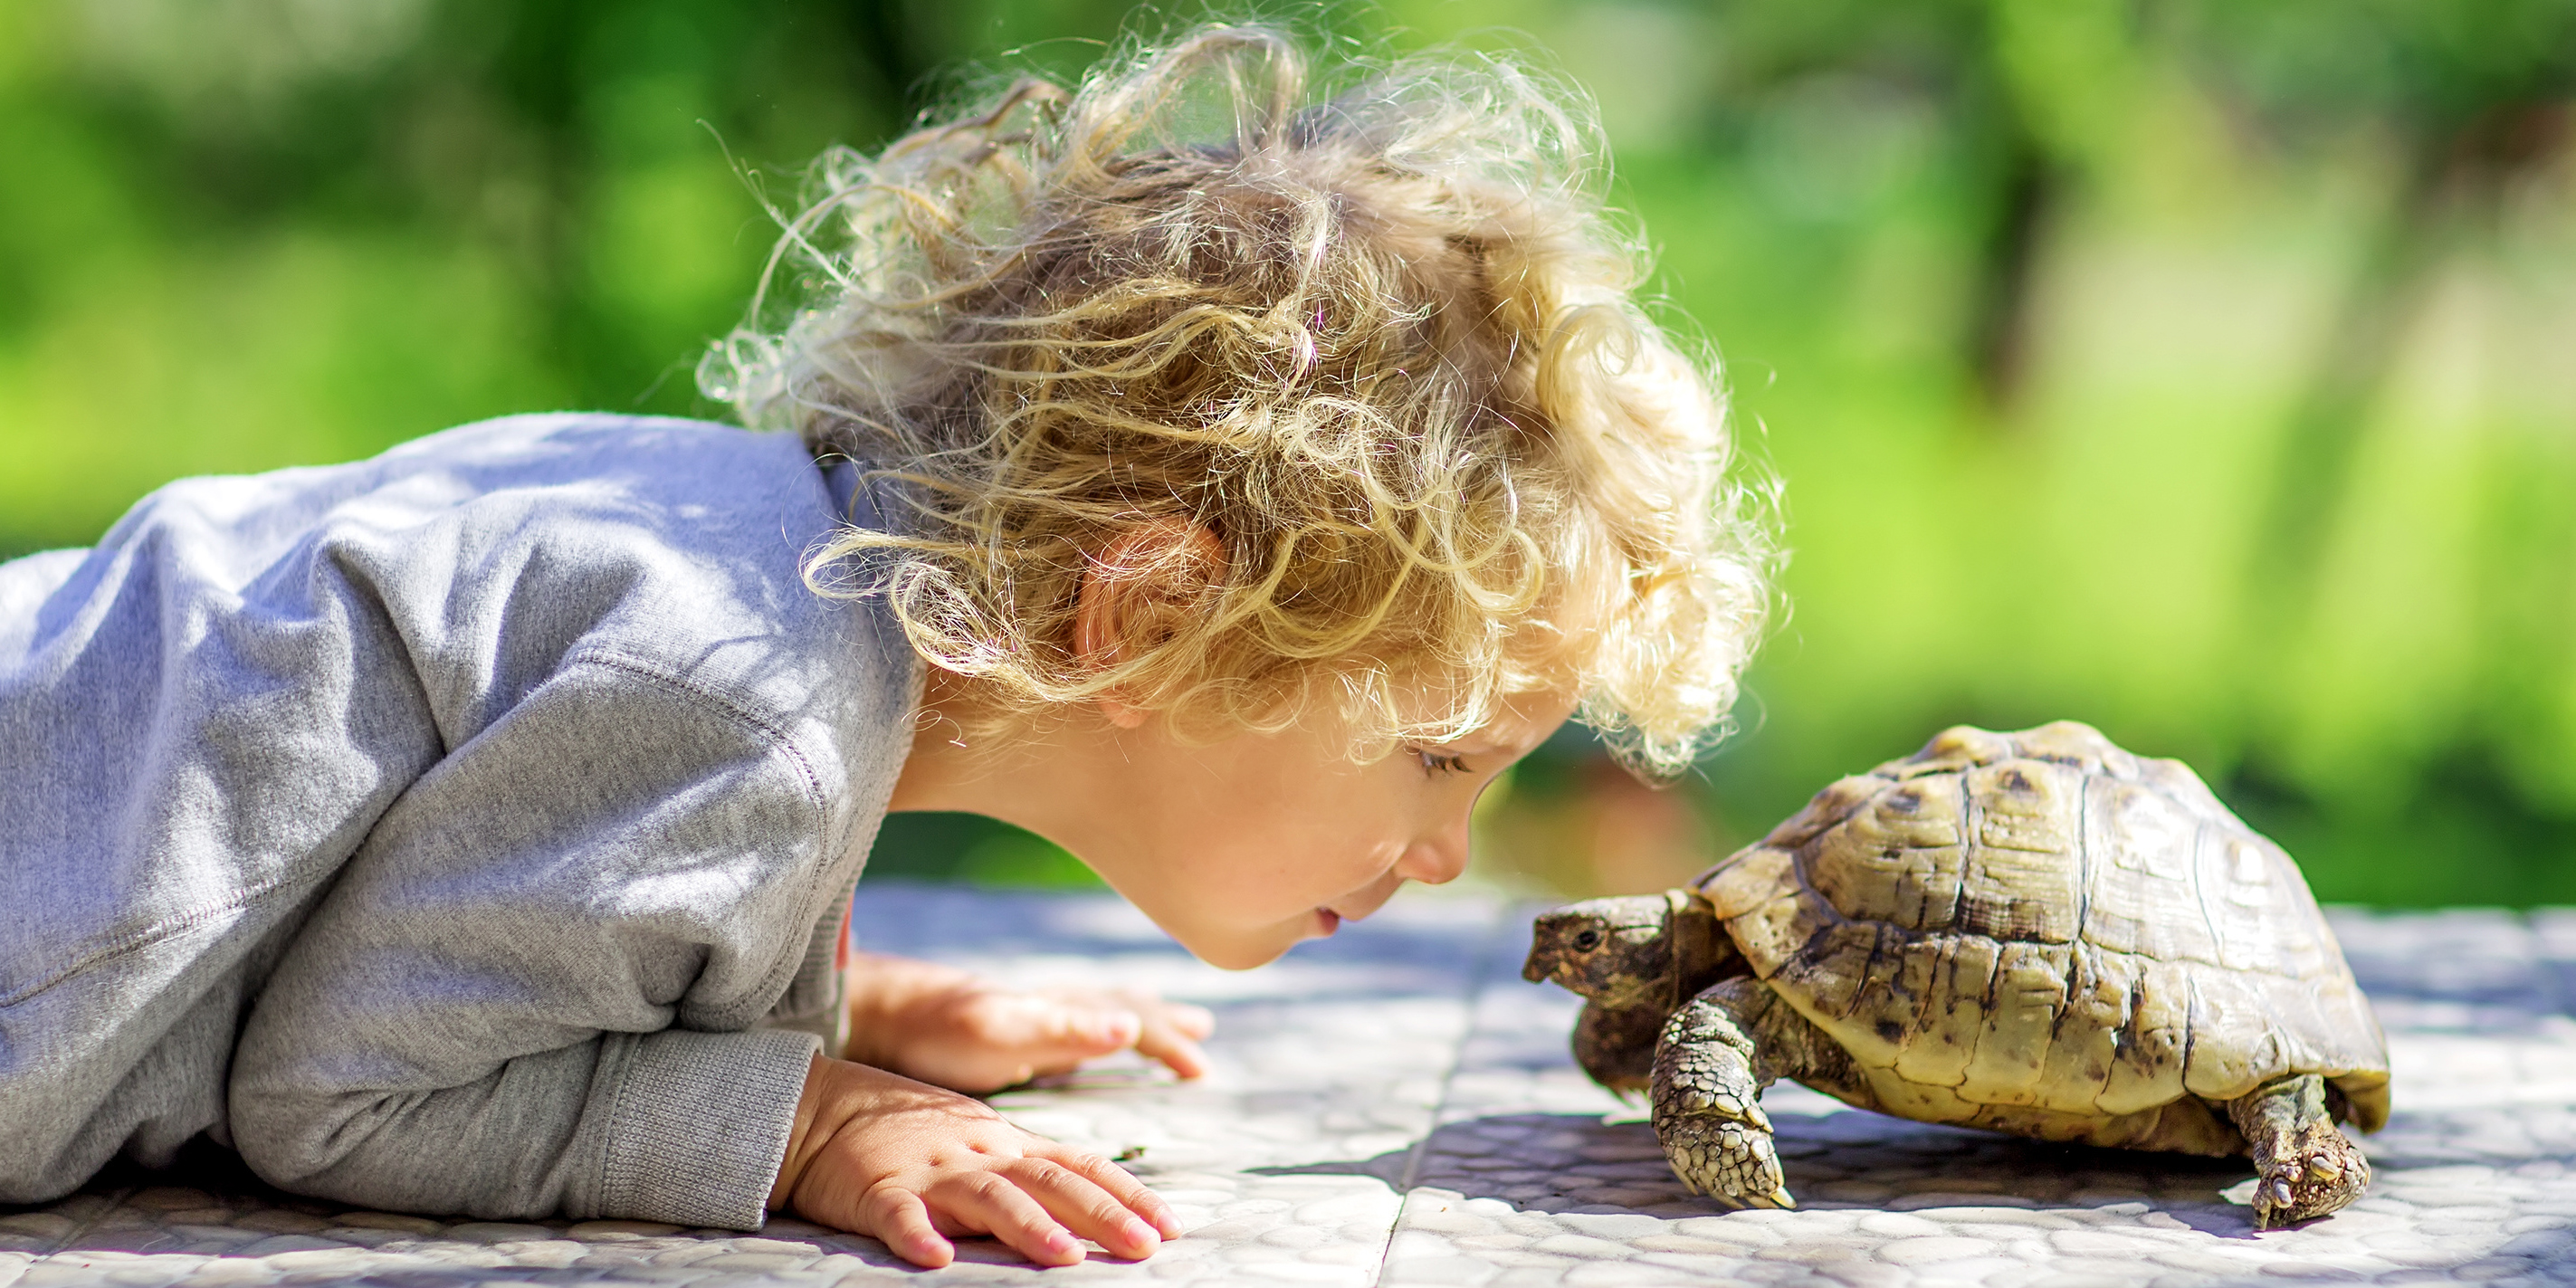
1778,1198
2312,1178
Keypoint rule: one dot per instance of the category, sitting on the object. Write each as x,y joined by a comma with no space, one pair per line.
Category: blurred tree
2473,97
2464,104
361,220
2030,91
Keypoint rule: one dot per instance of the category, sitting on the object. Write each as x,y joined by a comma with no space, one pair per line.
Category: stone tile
1396,1106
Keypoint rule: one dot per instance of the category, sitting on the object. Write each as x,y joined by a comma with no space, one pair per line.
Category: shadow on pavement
1573,1162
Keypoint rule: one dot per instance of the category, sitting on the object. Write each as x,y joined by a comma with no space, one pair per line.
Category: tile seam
115,1199
1506,915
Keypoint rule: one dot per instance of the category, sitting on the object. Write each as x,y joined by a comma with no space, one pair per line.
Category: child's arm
531,989
915,1166
952,1029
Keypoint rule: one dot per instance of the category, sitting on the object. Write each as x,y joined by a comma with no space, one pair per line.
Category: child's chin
1264,947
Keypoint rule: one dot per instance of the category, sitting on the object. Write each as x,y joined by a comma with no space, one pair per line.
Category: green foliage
248,233
2428,69
2192,367
976,850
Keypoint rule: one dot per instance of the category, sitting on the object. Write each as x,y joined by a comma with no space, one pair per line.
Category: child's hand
946,1027
915,1166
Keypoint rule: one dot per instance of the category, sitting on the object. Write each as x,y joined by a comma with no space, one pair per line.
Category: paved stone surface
1396,1106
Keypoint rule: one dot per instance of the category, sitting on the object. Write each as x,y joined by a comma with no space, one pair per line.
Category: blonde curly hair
1376,355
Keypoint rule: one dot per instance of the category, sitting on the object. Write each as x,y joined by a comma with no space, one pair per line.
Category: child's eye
1435,763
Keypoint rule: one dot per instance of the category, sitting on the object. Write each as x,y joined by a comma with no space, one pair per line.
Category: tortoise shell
2042,933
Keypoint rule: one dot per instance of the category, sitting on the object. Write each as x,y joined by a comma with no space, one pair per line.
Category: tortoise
2032,932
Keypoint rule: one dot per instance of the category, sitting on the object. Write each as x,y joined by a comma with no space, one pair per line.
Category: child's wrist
802,1138
837,1092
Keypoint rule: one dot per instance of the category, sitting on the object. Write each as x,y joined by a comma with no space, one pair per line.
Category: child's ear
1136,591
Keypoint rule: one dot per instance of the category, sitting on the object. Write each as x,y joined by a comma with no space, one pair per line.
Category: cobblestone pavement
1395,1106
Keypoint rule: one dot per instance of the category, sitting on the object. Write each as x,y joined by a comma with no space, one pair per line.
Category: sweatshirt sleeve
531,990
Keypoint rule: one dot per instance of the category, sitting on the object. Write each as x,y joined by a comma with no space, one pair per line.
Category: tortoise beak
1535,969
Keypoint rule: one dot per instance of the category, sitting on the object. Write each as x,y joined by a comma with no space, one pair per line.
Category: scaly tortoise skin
2034,932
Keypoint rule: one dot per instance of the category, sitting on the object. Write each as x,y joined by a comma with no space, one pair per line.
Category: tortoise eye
1587,941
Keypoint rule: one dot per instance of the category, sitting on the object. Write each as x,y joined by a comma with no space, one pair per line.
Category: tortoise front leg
1717,1054
2304,1166
1616,1044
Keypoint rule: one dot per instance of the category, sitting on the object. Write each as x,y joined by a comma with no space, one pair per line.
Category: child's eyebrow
1479,744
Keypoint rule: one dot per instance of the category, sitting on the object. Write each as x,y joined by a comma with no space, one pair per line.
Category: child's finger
1084,1207
1117,1028
899,1220
1080,1034
1171,1030
1122,1185
1061,1030
1168,1043
1197,1022
989,1202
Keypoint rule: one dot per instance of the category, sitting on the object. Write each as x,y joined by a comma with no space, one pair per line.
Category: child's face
1243,848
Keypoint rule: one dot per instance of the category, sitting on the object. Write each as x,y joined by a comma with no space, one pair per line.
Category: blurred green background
2204,369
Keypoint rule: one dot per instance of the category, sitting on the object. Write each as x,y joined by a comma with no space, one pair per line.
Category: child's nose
1439,858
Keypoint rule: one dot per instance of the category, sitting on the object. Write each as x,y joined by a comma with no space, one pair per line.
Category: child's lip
1332,920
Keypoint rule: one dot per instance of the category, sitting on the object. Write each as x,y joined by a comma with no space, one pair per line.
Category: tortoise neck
1701,950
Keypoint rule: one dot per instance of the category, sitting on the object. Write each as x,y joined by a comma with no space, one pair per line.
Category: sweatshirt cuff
701,1126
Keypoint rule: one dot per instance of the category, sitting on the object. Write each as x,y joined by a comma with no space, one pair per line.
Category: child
1223,481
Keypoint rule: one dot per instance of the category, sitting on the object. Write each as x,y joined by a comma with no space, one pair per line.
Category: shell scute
2153,1041
1961,971
1829,970
1883,1014
1898,859
2175,779
1748,879
1827,808
2024,876
2028,993
2085,1046
2143,893
2365,1091
1769,913
2026,805
2136,828
2240,903
2235,1047
1910,1097
2076,745
1954,748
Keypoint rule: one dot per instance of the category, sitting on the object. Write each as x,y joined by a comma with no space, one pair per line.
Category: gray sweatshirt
468,830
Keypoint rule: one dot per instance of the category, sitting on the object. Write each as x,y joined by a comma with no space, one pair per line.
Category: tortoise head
1620,952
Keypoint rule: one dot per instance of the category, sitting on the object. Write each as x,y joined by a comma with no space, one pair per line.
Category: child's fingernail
1140,1233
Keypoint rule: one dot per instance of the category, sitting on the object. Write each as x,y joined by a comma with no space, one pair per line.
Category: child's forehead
1523,721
